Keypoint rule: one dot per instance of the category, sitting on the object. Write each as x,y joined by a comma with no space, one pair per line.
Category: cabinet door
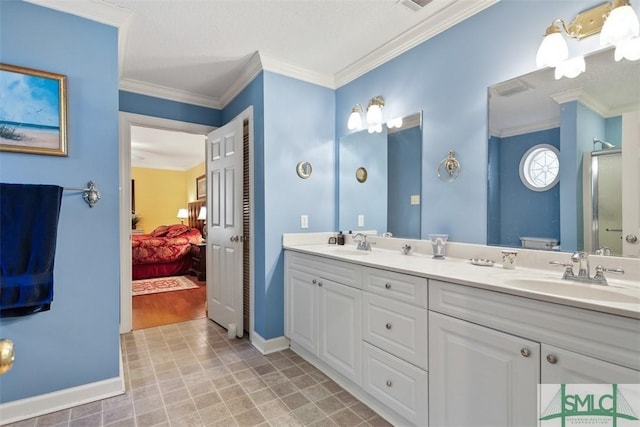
479,376
566,367
301,323
341,328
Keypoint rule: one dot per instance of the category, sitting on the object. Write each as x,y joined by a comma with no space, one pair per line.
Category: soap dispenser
340,238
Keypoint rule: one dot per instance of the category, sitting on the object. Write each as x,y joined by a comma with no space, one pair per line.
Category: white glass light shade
374,115
621,24
628,49
355,120
570,68
182,213
395,123
202,215
552,51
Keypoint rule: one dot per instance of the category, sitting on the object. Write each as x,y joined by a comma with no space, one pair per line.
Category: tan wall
158,196
192,174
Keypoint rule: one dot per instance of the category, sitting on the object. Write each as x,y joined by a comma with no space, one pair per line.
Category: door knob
631,238
7,355
234,238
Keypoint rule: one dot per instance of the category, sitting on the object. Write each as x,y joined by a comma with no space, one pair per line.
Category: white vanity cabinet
395,341
324,311
488,351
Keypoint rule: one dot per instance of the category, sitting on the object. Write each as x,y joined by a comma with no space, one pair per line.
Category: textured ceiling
163,149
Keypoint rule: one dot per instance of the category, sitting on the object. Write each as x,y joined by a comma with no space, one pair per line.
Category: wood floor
169,307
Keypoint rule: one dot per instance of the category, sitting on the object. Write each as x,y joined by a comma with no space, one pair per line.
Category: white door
479,376
224,225
631,184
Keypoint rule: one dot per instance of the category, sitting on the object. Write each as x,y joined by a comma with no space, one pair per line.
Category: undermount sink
577,290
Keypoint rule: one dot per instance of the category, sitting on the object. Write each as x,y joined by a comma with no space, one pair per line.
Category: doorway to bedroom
167,196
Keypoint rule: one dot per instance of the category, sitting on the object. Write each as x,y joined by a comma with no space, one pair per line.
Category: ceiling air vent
414,5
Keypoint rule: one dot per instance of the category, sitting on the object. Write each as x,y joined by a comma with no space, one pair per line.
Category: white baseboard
35,406
23,409
269,346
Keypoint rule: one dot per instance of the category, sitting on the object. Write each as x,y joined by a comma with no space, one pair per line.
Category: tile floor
190,374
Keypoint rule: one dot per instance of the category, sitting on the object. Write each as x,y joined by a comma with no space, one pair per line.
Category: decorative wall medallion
304,169
361,174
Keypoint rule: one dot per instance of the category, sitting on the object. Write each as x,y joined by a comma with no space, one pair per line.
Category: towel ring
449,168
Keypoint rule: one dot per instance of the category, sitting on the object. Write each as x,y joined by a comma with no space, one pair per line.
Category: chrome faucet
361,239
582,258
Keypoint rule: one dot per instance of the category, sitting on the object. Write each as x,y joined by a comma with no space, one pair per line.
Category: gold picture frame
34,117
201,187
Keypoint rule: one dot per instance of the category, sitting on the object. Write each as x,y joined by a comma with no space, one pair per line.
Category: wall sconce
182,215
373,116
617,23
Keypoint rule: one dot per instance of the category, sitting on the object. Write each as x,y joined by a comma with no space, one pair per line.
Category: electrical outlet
360,220
304,221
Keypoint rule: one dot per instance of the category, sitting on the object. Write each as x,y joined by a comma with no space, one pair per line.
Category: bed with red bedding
166,251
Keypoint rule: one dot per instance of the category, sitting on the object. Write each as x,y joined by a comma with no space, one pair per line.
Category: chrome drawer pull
387,285
314,281
388,326
552,359
525,352
389,383
319,283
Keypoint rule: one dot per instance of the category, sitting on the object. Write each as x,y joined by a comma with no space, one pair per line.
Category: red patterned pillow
176,230
160,231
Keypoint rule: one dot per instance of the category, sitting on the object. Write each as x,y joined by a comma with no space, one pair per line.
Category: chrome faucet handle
568,272
599,276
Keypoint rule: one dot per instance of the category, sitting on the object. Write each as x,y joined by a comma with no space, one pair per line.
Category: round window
540,167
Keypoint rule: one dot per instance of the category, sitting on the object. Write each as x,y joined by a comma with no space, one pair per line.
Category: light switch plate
415,199
360,220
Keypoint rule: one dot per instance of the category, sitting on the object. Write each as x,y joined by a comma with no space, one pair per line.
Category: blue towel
28,229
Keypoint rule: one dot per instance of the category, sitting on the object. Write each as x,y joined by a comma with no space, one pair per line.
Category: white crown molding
246,76
171,94
94,10
293,71
528,128
439,22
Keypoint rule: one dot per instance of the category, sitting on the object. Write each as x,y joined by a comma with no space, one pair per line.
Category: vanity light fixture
373,116
618,23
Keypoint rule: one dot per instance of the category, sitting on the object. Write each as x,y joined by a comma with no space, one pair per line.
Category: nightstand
199,260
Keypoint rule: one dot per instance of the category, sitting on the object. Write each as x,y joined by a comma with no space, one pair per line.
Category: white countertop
621,297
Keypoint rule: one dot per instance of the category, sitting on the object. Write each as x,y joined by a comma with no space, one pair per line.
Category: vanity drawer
396,327
396,383
337,271
401,287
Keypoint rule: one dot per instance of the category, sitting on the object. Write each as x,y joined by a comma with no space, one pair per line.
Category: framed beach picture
201,187
33,112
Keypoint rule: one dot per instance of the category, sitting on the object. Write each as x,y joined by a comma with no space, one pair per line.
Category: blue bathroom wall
613,131
524,212
293,121
298,125
77,341
157,107
369,198
446,78
404,154
494,231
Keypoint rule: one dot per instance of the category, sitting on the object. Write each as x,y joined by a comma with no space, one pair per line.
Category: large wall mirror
380,180
583,118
